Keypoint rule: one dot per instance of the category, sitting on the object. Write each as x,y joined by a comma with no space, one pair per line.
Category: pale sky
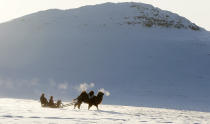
198,11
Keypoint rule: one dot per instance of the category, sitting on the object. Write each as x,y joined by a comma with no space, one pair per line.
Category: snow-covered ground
20,111
142,55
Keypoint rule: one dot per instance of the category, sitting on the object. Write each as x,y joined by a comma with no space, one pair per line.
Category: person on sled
43,100
51,102
59,104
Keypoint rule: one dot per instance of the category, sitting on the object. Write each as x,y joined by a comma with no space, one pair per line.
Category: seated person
59,104
43,100
51,102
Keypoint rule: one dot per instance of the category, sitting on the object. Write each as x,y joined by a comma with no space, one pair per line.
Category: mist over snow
107,93
63,86
85,87
141,55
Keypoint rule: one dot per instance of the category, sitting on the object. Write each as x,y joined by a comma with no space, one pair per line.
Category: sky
196,11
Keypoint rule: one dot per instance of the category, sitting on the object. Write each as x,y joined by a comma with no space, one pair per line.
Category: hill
142,55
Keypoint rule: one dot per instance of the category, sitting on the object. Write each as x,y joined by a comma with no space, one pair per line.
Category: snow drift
142,55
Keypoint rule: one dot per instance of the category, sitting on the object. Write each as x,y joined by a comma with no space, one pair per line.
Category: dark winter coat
51,102
43,100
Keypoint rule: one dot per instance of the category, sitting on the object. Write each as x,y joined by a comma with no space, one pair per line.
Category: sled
59,105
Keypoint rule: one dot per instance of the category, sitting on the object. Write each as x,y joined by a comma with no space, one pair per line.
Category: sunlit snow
20,111
115,46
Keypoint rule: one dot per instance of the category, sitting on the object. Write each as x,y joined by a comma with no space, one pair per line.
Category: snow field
20,111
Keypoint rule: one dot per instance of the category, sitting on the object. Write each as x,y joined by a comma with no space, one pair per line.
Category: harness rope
69,104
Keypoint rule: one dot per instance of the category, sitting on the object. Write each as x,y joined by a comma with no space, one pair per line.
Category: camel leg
79,106
97,107
89,105
75,105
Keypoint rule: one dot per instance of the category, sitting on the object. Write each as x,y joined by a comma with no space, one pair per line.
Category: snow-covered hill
142,55
20,111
